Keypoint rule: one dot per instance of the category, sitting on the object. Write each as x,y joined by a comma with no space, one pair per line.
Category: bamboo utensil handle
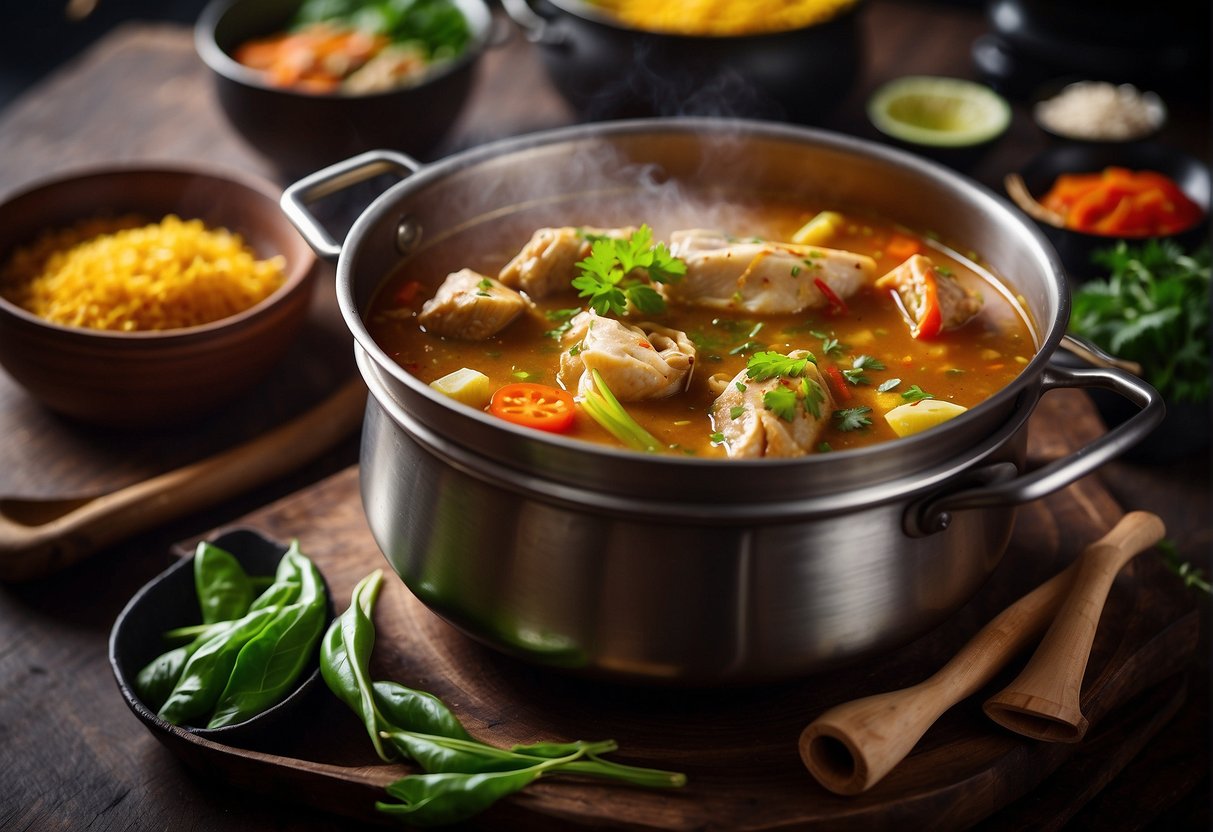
31,550
1043,701
852,746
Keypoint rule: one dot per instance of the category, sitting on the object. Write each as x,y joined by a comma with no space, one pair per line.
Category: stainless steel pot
689,570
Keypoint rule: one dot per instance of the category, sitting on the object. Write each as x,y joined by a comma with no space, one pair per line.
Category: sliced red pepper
837,305
531,405
930,323
838,382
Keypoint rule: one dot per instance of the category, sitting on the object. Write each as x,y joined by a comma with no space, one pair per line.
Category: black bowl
300,132
1076,247
605,69
160,606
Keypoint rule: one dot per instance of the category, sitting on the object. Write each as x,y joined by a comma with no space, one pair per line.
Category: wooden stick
34,551
1043,701
852,746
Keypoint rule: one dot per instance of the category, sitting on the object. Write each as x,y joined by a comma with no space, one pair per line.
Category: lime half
939,112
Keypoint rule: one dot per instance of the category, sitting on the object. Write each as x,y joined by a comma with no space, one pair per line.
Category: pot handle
532,24
935,513
334,179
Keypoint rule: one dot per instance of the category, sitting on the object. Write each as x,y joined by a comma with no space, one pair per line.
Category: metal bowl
675,569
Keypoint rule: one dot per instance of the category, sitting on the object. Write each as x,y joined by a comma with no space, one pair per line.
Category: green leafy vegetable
223,587
268,666
852,418
436,25
782,402
345,656
888,384
1152,308
462,776
768,365
616,273
248,652
605,409
916,394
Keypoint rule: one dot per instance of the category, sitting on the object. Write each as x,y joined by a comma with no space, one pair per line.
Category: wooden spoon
852,746
1043,701
40,537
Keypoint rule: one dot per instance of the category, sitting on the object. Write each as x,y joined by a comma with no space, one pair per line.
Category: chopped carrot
900,247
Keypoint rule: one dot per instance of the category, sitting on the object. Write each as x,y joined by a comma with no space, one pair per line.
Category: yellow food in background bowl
124,276
723,18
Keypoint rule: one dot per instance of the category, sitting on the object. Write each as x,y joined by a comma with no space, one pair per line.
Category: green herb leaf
852,418
888,384
1152,308
223,587
614,273
767,365
916,394
782,402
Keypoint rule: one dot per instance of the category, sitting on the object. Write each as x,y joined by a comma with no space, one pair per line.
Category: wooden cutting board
738,747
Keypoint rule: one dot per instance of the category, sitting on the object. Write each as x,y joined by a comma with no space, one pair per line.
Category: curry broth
964,366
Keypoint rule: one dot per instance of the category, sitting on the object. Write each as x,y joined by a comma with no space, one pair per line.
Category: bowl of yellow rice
138,297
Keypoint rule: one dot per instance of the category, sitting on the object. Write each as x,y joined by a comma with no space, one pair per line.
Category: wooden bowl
153,378
168,601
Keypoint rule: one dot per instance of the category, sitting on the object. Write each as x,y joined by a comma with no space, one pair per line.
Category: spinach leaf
439,799
406,709
345,655
207,670
224,589
269,665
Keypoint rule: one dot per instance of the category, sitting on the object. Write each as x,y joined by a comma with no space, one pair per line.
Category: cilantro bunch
1152,308
617,273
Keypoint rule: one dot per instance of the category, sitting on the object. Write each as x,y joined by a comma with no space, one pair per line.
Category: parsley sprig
1152,308
784,399
617,273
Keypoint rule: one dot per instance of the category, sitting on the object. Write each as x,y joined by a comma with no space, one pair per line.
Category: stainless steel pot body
689,570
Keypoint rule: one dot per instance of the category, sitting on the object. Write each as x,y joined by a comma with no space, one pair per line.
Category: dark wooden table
71,755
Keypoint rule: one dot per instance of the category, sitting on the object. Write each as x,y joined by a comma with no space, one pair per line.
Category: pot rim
1049,333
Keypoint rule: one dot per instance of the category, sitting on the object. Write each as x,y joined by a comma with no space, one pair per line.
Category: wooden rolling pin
40,537
852,746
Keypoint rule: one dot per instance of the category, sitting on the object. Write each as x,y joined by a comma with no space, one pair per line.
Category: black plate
1075,247
161,604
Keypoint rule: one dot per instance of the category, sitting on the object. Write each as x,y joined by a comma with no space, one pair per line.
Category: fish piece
753,429
760,276
471,306
547,263
932,299
645,361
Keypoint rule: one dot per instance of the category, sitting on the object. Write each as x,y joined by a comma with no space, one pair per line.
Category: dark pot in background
607,70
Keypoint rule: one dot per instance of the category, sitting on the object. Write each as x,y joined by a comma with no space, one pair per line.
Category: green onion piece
605,409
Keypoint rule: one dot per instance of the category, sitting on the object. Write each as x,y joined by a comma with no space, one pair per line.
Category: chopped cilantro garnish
717,438
916,394
782,402
888,384
767,365
852,418
608,275
736,411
